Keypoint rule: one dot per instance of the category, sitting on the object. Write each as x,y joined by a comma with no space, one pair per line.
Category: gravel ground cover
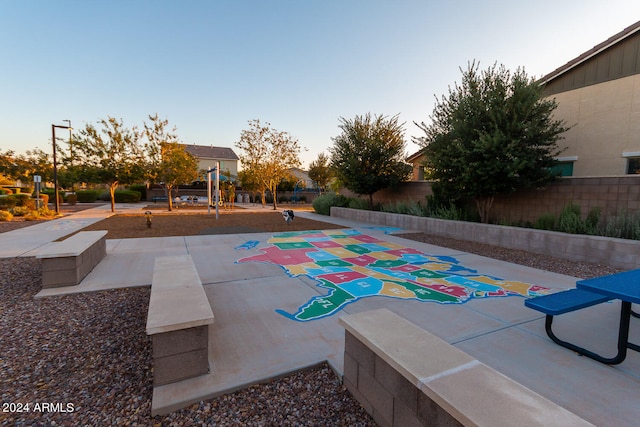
86,360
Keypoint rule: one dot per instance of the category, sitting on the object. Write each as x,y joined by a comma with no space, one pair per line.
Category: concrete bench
405,376
67,262
178,321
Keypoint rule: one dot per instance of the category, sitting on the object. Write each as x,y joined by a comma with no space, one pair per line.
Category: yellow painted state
396,291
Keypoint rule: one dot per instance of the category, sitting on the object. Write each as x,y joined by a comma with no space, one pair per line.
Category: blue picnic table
623,286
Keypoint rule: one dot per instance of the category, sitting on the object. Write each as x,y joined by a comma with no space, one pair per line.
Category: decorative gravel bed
86,360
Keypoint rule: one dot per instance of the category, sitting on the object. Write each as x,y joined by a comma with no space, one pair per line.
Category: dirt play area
125,226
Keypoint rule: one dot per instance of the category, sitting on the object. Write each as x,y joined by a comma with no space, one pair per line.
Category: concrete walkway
250,342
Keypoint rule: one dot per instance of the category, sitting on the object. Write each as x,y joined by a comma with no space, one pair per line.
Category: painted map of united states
350,265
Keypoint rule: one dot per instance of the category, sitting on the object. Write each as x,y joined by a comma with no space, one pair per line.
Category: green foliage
358,203
5,191
268,155
20,210
320,172
624,225
369,154
87,196
410,207
283,199
493,134
44,199
322,204
127,196
142,189
5,215
546,221
7,202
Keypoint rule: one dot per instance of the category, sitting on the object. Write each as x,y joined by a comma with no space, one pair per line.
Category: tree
110,155
494,134
169,163
269,154
320,172
369,154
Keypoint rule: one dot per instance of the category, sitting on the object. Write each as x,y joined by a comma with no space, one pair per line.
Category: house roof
211,152
415,155
630,30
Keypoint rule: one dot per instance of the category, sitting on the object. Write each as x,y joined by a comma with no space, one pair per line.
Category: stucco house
598,96
208,155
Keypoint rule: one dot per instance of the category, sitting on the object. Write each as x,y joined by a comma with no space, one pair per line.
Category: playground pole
217,186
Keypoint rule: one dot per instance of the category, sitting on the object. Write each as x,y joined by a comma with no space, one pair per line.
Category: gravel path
86,360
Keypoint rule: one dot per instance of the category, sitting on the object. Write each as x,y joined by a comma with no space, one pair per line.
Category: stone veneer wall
619,253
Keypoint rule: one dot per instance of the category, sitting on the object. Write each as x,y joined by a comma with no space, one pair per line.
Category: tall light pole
55,162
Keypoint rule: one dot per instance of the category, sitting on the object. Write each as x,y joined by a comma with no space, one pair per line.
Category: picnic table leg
623,339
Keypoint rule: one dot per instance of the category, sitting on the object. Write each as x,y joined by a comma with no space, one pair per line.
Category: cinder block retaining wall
619,253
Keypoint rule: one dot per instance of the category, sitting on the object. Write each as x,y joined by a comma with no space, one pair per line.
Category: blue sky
211,66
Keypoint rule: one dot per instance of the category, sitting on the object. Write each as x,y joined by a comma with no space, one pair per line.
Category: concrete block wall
70,270
181,354
619,253
405,376
384,393
612,194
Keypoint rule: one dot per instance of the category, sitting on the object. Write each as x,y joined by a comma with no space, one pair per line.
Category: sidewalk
250,342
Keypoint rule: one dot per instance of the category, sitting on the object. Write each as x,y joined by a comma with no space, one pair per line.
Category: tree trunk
275,206
112,193
371,201
167,191
484,205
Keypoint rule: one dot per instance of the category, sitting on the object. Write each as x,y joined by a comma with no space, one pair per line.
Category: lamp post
55,162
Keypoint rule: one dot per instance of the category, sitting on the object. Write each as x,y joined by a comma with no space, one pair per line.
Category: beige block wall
605,121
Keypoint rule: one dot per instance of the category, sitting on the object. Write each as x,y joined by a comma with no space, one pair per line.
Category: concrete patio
250,342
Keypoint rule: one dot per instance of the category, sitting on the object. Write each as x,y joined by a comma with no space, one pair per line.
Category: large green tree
493,134
269,154
368,155
110,155
169,163
320,171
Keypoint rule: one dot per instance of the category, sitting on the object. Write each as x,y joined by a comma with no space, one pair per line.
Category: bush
127,196
142,189
545,222
72,198
283,199
87,196
25,200
20,211
358,203
624,225
570,221
5,216
50,192
5,191
322,204
7,202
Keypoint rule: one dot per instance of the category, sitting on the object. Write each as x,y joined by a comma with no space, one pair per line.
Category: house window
633,165
564,167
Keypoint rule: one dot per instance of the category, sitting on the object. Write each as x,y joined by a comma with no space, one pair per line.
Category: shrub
570,221
283,199
322,204
302,199
20,210
45,212
87,196
25,200
624,225
142,189
5,216
7,202
72,198
127,196
32,216
5,191
358,203
545,222
49,193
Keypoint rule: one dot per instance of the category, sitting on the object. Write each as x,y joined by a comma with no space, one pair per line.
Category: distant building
302,178
208,155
